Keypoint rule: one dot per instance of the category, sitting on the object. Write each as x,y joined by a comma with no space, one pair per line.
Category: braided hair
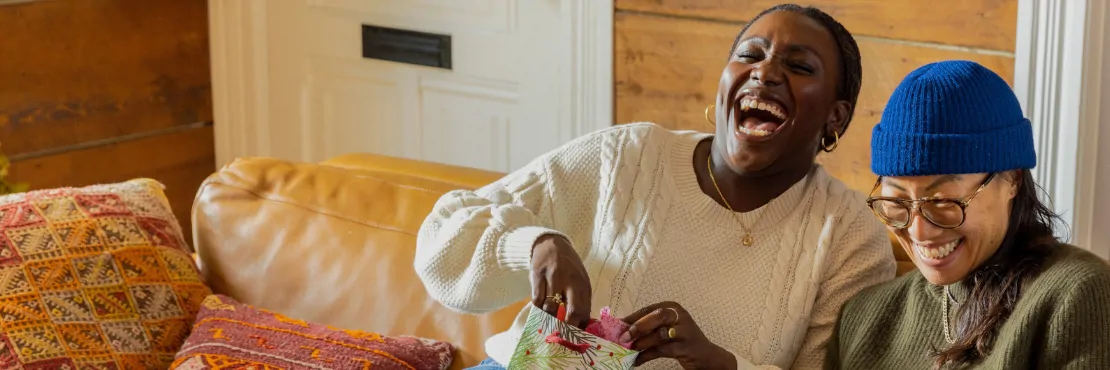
851,71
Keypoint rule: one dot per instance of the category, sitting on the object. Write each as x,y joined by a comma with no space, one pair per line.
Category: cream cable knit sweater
628,200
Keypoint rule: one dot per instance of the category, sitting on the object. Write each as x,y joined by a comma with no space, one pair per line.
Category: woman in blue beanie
994,288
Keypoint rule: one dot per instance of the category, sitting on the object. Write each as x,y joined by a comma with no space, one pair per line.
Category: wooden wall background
98,91
669,55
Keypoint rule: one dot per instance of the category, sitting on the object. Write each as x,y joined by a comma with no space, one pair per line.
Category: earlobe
1015,183
835,123
837,118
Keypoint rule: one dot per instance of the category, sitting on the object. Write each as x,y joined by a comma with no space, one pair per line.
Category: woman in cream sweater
732,250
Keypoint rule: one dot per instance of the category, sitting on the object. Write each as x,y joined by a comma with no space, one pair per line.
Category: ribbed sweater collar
680,170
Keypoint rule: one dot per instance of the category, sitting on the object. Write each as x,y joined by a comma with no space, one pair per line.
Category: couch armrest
385,165
334,244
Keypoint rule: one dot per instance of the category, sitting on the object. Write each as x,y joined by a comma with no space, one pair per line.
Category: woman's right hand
557,269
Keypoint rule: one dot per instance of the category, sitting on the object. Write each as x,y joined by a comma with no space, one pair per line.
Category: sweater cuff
514,252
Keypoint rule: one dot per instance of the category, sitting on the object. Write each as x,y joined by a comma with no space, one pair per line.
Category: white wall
1100,240
1061,54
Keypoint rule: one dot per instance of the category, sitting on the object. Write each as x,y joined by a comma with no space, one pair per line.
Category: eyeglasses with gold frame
946,213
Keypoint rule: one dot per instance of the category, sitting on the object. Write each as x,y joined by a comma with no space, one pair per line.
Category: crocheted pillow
229,334
95,277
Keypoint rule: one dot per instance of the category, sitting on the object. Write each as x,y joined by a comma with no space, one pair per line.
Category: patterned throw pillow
94,278
229,334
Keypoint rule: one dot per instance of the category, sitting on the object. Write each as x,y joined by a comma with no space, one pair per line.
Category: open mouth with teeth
936,253
760,117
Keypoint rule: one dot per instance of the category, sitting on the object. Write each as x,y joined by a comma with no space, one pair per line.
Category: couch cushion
330,245
230,334
95,277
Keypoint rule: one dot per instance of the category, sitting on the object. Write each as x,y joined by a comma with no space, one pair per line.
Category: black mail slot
406,46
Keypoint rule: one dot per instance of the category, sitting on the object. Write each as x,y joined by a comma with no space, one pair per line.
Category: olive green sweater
1061,321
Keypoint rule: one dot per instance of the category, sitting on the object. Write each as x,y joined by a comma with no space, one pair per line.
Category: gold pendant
748,240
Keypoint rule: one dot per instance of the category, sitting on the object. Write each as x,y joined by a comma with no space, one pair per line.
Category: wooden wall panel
80,70
180,160
667,69
989,24
96,91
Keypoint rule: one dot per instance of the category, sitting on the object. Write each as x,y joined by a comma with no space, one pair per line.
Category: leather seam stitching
271,197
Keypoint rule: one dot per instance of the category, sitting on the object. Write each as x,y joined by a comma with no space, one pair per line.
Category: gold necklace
944,306
748,240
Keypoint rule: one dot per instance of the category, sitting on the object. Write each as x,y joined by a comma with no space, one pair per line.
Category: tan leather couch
333,243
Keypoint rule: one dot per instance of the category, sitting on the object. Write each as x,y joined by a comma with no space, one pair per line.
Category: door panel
348,112
496,16
503,103
467,124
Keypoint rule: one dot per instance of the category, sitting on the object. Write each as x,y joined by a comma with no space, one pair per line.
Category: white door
521,78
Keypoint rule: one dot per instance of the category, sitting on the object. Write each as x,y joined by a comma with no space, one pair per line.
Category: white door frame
240,77
1057,77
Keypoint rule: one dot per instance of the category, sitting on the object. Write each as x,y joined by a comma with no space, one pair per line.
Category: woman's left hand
666,330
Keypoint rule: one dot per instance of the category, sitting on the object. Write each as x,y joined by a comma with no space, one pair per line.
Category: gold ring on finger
558,298
671,333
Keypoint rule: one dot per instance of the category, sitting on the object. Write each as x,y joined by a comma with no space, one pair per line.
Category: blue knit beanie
951,117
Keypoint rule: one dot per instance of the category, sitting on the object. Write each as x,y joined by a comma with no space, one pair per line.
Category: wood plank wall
669,55
98,91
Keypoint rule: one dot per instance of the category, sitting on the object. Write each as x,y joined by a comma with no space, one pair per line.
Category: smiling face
777,95
947,255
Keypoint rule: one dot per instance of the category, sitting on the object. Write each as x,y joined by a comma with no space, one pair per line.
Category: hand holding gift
609,328
553,336
558,278
666,330
549,343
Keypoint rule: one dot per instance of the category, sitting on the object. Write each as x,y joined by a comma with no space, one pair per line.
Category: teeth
937,252
753,132
751,103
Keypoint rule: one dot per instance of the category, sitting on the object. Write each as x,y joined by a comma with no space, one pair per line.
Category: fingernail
624,337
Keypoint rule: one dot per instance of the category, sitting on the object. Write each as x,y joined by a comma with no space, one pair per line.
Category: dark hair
998,283
851,71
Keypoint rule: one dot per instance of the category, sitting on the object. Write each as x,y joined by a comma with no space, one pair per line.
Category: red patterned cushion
94,278
229,334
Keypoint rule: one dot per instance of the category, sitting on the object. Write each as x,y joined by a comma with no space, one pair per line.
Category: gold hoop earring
707,109
836,143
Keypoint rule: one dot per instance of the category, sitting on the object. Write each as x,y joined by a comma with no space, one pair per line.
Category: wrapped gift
549,343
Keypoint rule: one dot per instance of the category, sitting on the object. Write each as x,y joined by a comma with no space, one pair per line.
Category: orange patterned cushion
95,277
233,335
